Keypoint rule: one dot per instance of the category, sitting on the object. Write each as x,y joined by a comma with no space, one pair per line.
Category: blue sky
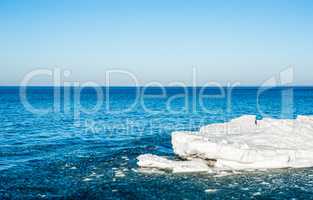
226,41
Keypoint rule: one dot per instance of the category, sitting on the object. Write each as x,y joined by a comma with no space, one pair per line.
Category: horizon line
167,86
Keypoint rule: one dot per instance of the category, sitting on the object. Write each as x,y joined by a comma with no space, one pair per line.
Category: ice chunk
269,143
234,126
153,161
242,143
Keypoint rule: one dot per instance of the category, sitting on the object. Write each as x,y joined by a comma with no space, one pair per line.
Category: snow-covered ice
242,143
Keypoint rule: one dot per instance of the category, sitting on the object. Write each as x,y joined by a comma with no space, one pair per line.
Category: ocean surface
71,143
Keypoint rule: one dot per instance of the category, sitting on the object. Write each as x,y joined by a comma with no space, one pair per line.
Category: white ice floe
242,143
152,161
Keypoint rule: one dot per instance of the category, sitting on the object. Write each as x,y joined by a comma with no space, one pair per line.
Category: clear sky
246,41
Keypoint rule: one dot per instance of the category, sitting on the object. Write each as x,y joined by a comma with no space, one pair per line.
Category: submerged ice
242,143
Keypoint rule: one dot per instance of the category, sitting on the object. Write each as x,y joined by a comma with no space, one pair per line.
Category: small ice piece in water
119,173
256,194
153,161
210,190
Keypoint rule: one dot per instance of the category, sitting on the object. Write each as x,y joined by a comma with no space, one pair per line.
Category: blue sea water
70,153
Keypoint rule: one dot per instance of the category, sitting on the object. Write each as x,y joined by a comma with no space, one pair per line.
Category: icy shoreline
243,143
